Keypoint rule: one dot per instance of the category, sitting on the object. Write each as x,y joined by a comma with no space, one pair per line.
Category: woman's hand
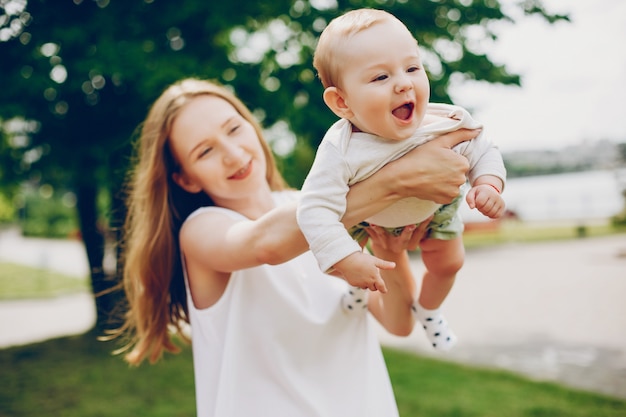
431,171
393,309
388,246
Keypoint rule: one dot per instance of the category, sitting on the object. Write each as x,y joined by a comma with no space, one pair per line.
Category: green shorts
445,225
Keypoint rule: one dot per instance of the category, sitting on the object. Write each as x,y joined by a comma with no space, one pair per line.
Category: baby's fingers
379,283
470,198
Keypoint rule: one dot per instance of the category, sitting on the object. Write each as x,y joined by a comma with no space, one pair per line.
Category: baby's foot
354,300
436,327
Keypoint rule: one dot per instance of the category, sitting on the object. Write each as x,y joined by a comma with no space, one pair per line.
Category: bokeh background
77,78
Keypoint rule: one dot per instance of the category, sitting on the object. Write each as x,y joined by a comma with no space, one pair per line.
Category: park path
549,311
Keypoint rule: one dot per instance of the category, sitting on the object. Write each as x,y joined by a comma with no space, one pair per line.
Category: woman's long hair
157,207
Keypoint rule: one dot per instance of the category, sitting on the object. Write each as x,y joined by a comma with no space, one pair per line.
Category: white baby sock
354,300
436,327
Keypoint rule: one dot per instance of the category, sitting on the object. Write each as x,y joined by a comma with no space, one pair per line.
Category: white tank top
278,344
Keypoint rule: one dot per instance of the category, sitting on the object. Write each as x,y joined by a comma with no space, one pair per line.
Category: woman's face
218,151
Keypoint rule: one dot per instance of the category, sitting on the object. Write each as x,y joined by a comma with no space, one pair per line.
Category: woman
212,240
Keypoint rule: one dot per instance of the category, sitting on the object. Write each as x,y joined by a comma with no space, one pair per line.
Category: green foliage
88,381
512,231
7,210
87,70
515,170
48,214
13,141
619,220
83,73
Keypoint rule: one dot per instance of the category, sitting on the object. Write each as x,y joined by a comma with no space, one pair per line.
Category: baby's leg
442,259
355,300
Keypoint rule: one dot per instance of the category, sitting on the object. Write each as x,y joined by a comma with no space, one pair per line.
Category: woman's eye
204,151
234,128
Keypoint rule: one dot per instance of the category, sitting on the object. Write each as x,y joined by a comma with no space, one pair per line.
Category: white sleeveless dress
277,344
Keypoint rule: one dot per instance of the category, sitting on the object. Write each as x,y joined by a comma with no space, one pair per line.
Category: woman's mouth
404,112
242,173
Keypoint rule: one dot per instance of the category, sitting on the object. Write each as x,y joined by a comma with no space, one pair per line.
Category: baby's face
383,81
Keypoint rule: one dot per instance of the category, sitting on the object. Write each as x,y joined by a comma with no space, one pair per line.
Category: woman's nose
233,153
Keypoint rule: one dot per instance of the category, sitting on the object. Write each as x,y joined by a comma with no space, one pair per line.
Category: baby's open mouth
403,112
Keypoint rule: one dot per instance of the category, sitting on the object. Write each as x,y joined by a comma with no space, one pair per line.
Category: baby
374,80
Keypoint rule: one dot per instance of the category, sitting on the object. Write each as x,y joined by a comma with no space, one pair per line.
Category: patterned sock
355,300
436,327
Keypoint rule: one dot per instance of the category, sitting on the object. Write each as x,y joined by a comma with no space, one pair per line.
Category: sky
573,79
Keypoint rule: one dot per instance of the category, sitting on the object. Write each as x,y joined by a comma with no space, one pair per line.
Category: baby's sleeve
322,205
484,158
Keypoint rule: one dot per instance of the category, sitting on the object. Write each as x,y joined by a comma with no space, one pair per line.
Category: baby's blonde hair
327,59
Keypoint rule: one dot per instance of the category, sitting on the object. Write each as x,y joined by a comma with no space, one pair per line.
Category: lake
577,196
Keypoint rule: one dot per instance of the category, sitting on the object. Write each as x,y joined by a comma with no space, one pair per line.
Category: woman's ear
334,99
183,182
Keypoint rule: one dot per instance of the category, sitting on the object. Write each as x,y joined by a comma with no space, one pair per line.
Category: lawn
520,232
78,375
20,282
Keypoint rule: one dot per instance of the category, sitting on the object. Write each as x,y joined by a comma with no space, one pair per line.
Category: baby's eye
413,68
381,77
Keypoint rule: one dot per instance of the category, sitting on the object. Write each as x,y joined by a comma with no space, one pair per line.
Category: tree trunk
103,286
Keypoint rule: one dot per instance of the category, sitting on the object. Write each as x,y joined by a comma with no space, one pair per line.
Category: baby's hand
362,270
487,200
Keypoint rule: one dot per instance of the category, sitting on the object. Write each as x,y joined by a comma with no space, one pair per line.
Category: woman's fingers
450,140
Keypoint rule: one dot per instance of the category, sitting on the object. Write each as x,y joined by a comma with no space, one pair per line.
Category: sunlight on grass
20,282
429,387
520,232
89,381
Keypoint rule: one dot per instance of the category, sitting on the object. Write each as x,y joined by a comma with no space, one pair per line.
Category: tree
84,73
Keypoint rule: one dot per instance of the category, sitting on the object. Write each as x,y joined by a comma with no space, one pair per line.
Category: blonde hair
332,42
157,207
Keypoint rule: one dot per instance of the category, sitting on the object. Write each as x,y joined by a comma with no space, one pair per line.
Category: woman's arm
431,171
393,308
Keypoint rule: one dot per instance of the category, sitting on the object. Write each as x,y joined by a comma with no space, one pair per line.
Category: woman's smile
243,172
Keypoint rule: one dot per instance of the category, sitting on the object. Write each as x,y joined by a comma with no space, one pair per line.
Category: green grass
428,387
510,231
22,282
78,377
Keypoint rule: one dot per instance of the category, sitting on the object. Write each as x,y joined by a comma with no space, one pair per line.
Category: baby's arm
320,210
321,206
485,196
487,174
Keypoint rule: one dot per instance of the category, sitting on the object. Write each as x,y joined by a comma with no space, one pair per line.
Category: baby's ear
334,99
